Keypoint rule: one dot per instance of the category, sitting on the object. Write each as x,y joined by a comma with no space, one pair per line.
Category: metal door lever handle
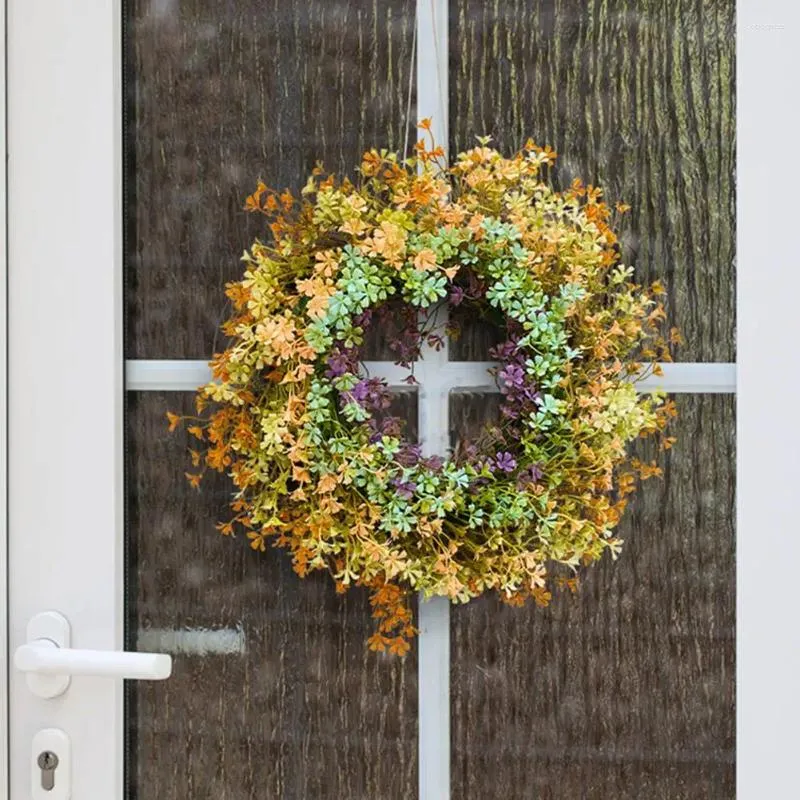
49,662
45,657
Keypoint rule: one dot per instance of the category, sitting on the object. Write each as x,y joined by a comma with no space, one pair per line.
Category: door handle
50,662
45,657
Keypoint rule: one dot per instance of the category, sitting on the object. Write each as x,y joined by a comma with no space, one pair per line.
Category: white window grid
436,377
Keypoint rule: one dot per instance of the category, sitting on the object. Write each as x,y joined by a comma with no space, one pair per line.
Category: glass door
626,690
134,138
274,692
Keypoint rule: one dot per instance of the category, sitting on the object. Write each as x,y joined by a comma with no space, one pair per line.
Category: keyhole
48,761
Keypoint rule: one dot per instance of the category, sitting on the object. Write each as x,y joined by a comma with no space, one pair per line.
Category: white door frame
767,439
65,397
3,429
65,368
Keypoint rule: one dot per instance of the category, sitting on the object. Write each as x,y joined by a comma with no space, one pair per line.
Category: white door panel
65,395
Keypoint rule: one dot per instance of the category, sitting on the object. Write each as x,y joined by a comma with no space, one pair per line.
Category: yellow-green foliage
318,467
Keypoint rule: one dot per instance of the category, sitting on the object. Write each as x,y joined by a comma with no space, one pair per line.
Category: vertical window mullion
434,614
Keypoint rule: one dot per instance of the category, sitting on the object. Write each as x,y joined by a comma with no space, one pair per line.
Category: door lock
48,761
51,765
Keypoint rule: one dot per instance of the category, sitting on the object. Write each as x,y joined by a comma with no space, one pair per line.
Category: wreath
320,466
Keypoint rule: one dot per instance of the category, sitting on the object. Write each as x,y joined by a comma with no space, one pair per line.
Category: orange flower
327,483
253,202
257,540
370,163
300,474
174,420
425,259
389,241
194,479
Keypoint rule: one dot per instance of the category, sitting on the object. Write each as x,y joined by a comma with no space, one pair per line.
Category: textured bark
627,690
473,336
405,404
637,96
220,94
470,412
306,710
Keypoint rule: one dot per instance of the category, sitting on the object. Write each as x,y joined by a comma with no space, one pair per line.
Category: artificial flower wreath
323,470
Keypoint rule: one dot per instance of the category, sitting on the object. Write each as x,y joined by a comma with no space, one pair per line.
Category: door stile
4,721
66,369
768,383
